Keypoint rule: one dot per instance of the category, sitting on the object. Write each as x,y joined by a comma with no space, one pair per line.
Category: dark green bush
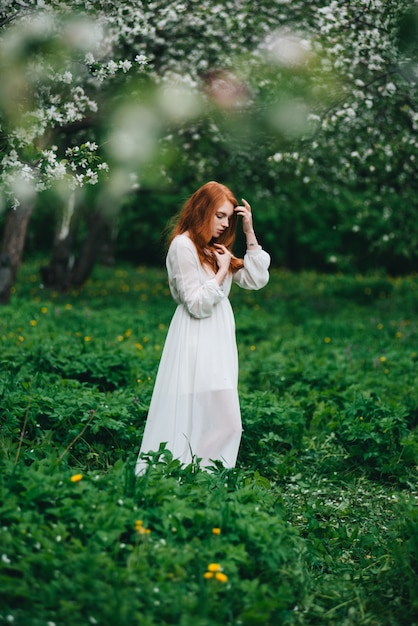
375,436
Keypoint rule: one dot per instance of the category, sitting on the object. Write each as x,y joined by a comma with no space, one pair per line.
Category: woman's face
221,219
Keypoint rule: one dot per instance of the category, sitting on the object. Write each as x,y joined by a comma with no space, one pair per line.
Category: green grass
315,526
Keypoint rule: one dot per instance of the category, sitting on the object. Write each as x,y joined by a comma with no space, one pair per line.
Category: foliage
375,435
141,553
315,526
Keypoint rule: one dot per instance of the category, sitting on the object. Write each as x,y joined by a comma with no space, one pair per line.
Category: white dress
194,407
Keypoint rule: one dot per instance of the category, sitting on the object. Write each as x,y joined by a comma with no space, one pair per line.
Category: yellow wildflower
221,577
382,359
140,528
214,567
33,322
76,478
327,339
215,571
216,531
87,338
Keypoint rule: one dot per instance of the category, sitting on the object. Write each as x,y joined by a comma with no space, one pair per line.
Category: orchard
112,113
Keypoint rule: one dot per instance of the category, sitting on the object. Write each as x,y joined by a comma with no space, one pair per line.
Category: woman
194,407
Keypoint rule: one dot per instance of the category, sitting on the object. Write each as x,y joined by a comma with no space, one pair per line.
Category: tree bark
107,252
12,249
57,274
92,247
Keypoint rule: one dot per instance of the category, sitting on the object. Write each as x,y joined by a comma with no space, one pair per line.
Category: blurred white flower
178,102
287,49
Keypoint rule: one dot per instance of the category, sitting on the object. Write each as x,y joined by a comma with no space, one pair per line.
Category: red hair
197,216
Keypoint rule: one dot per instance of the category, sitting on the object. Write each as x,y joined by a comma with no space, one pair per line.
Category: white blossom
125,65
141,59
67,77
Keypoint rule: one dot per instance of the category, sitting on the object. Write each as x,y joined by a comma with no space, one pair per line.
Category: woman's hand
223,256
247,225
247,217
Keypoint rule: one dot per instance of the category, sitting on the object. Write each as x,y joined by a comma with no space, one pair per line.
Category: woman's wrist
251,240
220,276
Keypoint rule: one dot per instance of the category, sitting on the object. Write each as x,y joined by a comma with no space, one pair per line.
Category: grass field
317,525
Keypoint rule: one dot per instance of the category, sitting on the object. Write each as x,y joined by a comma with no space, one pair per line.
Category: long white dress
194,407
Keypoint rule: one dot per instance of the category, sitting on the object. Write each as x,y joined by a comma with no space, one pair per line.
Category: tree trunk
57,274
107,252
13,244
65,271
93,245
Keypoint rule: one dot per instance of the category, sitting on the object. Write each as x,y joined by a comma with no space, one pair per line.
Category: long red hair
196,217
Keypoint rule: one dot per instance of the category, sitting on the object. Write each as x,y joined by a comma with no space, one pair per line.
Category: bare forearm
252,242
221,275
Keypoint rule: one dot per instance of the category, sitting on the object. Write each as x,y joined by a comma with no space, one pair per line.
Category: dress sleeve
254,274
187,282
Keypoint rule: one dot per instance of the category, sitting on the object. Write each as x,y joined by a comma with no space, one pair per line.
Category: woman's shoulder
181,241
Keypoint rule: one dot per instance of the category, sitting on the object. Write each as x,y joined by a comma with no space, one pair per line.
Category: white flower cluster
99,42
46,98
104,41
110,69
83,166
371,119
